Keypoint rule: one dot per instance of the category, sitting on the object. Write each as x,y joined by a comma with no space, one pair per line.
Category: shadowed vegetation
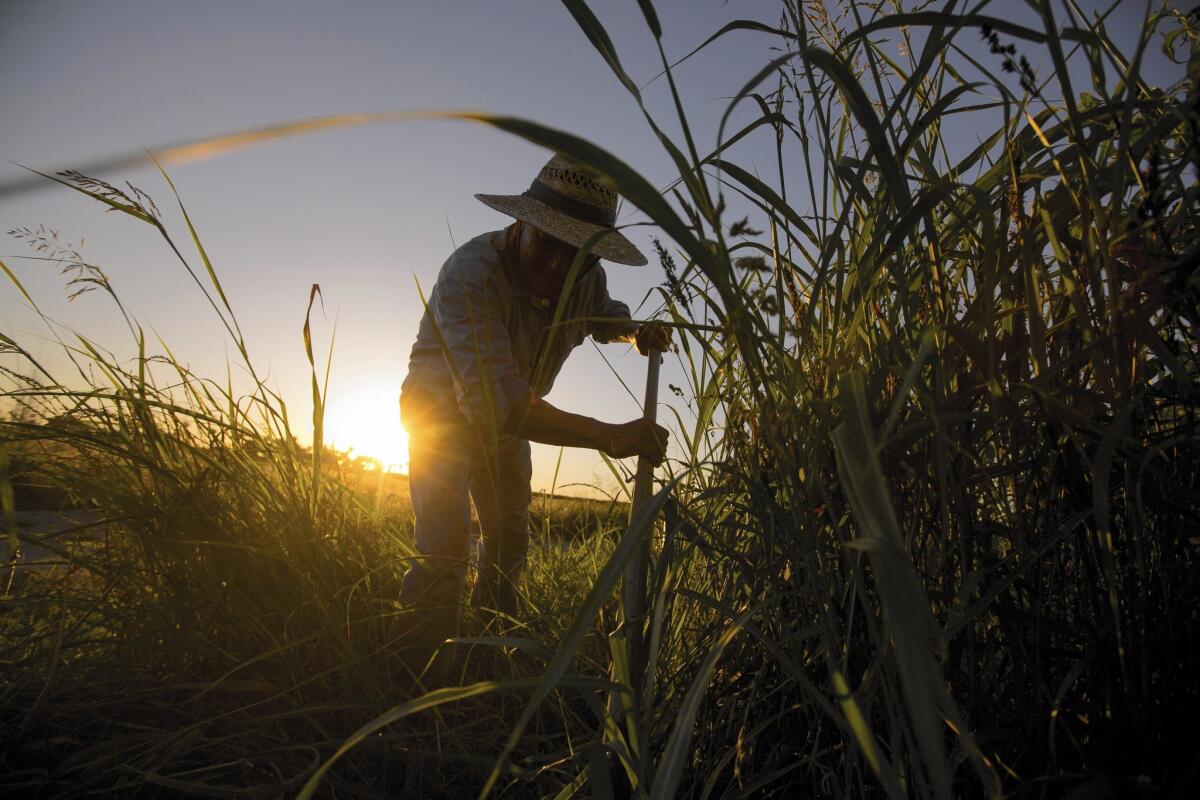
929,533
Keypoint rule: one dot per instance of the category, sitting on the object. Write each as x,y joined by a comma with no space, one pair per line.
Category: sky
366,212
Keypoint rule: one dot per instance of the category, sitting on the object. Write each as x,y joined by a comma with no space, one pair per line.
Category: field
932,532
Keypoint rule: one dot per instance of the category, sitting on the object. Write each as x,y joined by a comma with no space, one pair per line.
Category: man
506,311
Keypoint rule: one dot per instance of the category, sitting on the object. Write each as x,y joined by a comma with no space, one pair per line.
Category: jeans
449,468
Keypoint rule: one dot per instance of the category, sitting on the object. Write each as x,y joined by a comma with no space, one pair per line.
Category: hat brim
562,226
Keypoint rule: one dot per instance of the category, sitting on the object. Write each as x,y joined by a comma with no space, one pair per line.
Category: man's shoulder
475,261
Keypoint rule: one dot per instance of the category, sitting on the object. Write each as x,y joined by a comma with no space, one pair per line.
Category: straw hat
572,206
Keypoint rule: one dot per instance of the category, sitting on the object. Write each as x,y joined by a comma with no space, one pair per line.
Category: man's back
482,314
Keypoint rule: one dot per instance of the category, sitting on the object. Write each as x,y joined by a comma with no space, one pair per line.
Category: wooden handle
644,478
634,588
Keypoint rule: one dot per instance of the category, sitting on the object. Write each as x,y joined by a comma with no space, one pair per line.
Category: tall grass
947,507
929,535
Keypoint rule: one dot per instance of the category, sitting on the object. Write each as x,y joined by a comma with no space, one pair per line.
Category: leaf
600,40
318,412
930,19
860,105
863,735
15,282
610,574
433,699
736,25
905,605
675,755
651,18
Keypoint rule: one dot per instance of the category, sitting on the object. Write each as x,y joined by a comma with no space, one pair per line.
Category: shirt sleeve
617,318
468,317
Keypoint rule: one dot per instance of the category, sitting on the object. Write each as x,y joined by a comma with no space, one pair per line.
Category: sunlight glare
366,422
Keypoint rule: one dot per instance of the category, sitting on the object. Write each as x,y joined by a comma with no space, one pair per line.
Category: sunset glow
366,423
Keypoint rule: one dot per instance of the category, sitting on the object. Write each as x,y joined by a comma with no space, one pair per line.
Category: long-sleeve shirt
484,342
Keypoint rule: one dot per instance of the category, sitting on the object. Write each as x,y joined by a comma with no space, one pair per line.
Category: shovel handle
644,478
634,588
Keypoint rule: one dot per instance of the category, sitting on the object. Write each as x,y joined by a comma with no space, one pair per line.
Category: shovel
633,589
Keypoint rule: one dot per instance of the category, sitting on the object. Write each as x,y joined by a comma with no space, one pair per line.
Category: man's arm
547,424
617,325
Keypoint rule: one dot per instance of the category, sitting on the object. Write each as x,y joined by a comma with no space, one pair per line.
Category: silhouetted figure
486,355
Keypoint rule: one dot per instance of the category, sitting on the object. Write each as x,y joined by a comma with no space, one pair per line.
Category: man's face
547,262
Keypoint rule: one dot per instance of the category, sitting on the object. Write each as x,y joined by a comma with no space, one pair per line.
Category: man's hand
652,335
638,438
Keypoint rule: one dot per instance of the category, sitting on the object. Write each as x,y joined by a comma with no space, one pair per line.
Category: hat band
583,211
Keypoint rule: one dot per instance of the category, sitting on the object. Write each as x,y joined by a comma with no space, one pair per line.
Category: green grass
931,533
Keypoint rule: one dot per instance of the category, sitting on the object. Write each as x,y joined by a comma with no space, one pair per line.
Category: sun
366,422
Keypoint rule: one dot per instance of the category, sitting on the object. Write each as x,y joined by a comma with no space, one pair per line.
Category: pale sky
361,211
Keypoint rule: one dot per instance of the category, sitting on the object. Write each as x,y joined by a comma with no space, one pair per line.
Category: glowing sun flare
367,423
